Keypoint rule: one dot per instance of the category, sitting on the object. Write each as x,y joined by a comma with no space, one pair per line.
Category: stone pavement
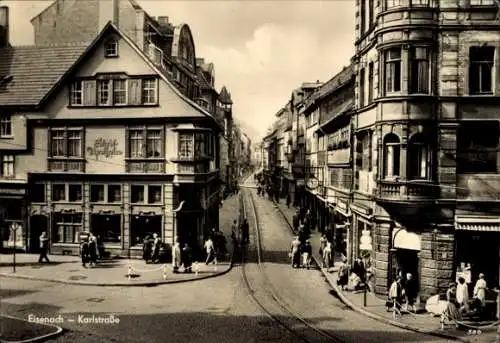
68,269
375,306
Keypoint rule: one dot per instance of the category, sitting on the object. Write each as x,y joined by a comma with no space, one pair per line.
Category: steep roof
225,96
34,71
202,80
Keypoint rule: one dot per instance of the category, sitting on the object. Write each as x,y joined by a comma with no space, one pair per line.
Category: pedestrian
395,294
44,247
295,252
343,275
480,290
307,254
92,250
288,200
187,258
155,256
451,312
146,248
410,292
176,256
210,251
327,255
322,244
463,295
84,251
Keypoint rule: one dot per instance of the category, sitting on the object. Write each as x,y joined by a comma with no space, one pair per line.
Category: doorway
38,224
405,261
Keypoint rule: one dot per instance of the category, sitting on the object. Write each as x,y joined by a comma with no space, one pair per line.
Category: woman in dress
451,312
463,295
176,256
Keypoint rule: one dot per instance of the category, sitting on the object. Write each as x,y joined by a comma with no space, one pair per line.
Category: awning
404,239
477,223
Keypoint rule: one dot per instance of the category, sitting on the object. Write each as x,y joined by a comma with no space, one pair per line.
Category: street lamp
14,227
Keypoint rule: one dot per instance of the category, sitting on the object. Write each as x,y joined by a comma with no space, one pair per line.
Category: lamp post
14,228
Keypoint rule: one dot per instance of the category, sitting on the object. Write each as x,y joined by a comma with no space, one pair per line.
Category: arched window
391,155
418,158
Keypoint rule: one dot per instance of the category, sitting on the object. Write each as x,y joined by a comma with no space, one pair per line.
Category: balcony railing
406,190
142,166
192,168
66,165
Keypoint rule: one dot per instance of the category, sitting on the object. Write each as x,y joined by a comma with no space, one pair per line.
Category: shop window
75,192
5,125
420,3
481,69
477,147
37,192
8,163
107,227
137,194
142,226
391,155
67,227
114,193
420,70
97,193
58,192
418,158
154,194
392,65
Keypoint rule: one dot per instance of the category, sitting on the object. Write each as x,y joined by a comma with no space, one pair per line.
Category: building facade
97,138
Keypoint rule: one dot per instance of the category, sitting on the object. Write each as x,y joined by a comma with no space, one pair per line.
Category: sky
261,50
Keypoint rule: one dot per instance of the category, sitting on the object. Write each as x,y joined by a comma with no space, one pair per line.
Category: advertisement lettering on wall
105,150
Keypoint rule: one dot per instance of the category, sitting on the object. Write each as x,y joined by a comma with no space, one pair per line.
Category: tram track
295,323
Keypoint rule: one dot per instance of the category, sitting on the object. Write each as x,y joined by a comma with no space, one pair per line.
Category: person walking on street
156,248
307,254
296,220
395,295
295,252
410,292
187,258
327,255
84,252
92,250
210,251
176,256
322,244
343,273
44,247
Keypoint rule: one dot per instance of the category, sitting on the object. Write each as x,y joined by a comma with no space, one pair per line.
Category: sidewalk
68,269
376,309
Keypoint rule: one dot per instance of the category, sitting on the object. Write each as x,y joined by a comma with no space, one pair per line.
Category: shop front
12,216
142,224
107,227
478,249
343,232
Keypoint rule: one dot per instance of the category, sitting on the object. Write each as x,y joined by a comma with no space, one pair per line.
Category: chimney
163,21
4,26
116,12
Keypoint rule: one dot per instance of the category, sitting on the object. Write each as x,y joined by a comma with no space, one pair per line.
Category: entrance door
187,228
38,224
406,261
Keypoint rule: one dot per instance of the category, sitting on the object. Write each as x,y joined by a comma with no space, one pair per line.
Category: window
136,194
135,142
149,91
423,3
200,147
114,193
154,194
75,193
66,142
392,3
37,192
393,70
477,147
111,49
5,125
481,70
370,83
76,93
371,18
58,192
97,193
120,92
419,70
8,163
391,155
67,227
104,90
362,16
186,146
107,227
418,158
362,88
482,2
153,143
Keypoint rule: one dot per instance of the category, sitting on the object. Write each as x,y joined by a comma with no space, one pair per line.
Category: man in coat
44,247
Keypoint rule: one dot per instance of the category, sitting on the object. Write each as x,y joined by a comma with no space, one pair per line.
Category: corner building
107,144
427,119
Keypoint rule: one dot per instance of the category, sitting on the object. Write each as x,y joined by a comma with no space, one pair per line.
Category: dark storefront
142,225
107,227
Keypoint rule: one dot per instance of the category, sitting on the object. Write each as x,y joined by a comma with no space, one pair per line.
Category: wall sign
103,147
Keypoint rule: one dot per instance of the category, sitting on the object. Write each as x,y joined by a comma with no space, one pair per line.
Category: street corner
31,329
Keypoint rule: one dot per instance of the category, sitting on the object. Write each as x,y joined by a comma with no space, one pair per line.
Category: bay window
418,158
419,70
392,64
391,156
186,144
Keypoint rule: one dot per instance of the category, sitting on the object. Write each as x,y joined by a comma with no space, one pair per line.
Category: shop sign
13,191
365,241
104,147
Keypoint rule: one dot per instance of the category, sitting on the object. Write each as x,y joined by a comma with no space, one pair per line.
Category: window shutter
89,93
134,92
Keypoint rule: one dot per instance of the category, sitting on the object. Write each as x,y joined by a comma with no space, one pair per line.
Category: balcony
395,191
145,166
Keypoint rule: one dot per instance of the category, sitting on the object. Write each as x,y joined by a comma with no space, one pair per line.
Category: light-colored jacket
295,246
480,290
176,255
462,294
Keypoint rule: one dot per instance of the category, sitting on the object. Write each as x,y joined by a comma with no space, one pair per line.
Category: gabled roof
225,96
204,84
337,81
34,71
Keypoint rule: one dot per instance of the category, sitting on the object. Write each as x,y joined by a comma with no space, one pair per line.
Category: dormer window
111,48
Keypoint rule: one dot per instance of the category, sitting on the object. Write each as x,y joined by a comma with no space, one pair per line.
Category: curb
59,330
371,315
120,284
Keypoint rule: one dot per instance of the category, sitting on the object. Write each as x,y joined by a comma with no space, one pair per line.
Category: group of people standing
298,250
152,248
403,293
182,257
91,249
